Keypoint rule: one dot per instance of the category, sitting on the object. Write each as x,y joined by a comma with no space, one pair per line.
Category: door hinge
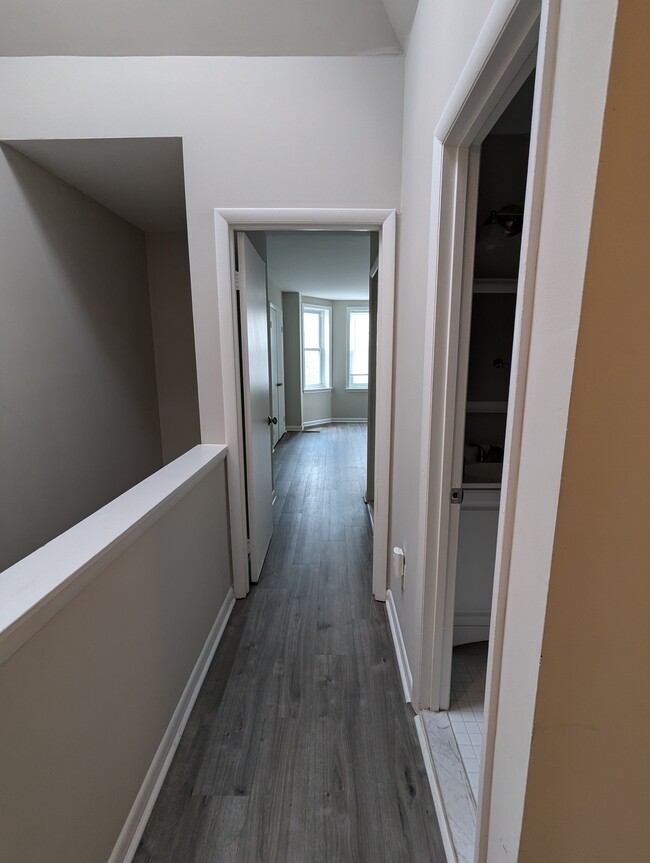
456,495
249,545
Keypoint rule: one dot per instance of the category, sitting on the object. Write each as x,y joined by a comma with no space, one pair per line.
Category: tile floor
466,707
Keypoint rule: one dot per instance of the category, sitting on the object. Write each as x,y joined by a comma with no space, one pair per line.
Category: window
358,348
316,340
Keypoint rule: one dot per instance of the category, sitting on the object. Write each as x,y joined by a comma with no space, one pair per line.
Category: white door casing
251,286
277,372
518,35
229,220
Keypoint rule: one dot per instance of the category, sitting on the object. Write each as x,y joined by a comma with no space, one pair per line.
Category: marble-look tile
456,791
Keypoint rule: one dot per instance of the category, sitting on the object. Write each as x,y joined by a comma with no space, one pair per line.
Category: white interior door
463,314
277,373
251,285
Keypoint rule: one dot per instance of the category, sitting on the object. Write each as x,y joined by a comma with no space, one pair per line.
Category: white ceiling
140,179
204,27
325,264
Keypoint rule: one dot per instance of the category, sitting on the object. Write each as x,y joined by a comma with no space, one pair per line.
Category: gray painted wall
86,701
173,338
78,403
292,375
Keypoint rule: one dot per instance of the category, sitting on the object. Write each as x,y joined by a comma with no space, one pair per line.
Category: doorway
319,283
482,405
516,43
227,223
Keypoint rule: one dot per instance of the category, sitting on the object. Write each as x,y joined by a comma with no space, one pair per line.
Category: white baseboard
294,428
441,812
330,420
400,649
129,839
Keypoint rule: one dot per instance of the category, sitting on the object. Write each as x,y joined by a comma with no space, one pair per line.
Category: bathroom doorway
485,354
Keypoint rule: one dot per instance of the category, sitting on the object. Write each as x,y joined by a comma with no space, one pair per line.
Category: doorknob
278,385
272,421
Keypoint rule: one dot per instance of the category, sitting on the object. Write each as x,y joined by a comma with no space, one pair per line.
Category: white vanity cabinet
479,517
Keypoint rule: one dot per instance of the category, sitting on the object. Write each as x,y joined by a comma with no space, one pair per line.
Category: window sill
318,390
356,389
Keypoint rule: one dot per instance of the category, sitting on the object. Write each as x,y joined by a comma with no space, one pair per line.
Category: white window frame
324,312
348,384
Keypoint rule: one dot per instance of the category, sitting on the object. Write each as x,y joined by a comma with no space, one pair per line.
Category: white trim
325,346
350,310
330,420
134,826
504,46
33,590
436,793
231,382
226,222
400,649
294,428
503,54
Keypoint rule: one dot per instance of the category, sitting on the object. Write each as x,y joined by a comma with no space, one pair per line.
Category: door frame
279,341
226,222
518,35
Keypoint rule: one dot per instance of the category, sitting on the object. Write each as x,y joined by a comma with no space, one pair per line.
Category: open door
254,334
464,317
277,373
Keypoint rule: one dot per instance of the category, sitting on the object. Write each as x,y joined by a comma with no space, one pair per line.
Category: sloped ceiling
204,27
139,179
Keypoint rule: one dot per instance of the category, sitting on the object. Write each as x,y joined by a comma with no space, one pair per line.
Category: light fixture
497,249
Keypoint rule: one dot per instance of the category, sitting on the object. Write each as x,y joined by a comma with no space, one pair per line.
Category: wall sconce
507,222
496,253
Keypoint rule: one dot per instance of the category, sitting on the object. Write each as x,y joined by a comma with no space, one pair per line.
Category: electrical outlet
399,564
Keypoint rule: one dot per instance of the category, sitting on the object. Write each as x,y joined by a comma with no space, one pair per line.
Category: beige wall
173,339
587,793
86,701
79,409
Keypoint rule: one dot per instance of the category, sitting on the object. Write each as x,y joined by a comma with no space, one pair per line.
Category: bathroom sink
483,471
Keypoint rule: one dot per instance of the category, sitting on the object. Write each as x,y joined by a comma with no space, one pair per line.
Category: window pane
312,368
325,365
311,330
359,338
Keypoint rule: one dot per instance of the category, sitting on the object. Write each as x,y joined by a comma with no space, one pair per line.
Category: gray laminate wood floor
300,748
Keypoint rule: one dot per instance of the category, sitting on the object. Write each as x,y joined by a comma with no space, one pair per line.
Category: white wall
442,37
79,410
296,132
87,699
173,338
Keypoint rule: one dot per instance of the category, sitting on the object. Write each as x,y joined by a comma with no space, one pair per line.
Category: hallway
300,747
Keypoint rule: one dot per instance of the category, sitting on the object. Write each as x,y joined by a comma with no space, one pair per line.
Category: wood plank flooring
300,748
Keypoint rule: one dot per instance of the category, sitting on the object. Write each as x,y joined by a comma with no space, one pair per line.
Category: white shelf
495,286
487,407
